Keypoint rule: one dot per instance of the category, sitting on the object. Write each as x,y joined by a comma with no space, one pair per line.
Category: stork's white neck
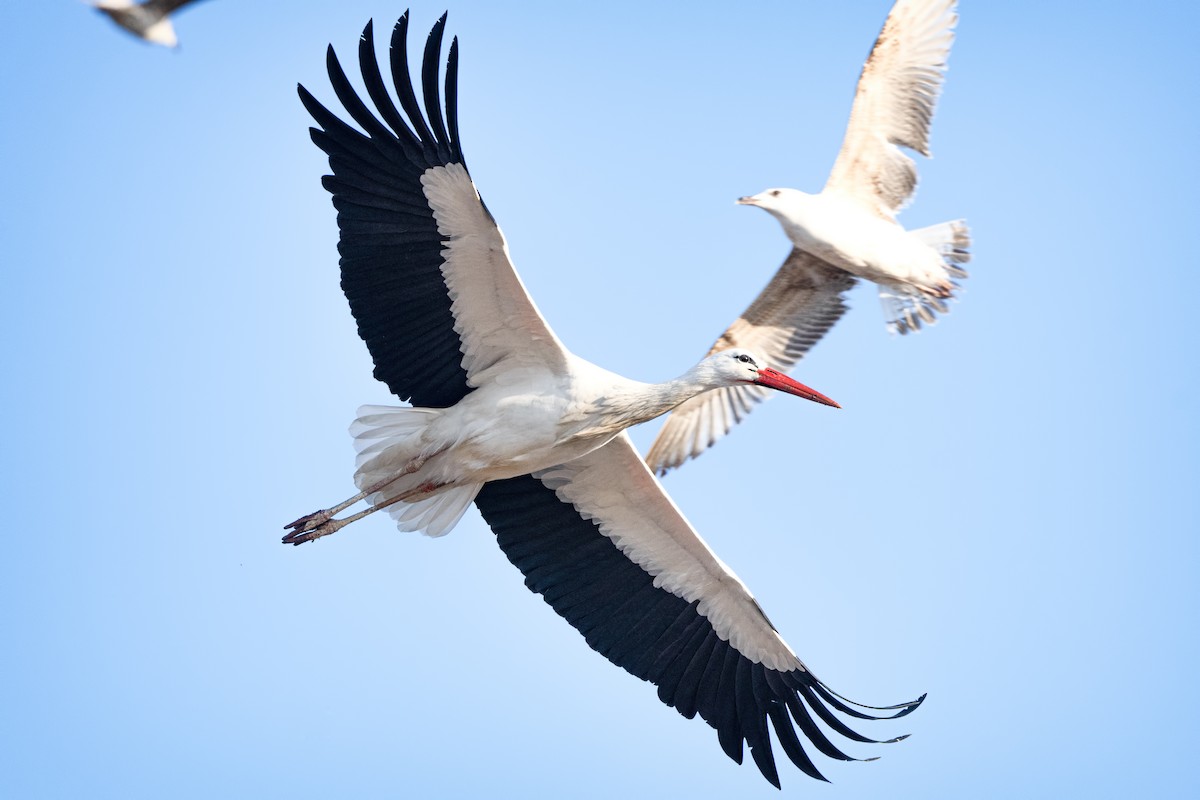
624,403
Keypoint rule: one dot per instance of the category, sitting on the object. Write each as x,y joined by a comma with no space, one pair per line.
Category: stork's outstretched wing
424,265
603,544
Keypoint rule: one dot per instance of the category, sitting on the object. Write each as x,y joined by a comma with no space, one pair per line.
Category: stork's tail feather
388,441
384,435
434,514
906,308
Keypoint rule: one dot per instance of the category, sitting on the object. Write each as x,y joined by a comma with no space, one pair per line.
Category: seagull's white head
783,203
739,366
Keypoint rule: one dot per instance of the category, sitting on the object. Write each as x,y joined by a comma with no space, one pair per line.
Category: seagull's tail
387,439
906,307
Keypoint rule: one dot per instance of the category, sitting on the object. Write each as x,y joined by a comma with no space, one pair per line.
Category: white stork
149,20
848,230
504,415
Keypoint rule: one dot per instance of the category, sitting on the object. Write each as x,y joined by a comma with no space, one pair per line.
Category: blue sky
1004,514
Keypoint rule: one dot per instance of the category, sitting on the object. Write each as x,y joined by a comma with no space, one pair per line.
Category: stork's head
740,366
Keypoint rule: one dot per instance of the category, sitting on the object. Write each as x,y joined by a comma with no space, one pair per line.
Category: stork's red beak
777,380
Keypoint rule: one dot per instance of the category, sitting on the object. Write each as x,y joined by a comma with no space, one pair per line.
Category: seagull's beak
747,201
777,380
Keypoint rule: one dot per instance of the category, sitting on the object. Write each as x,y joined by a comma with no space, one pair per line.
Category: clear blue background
1004,514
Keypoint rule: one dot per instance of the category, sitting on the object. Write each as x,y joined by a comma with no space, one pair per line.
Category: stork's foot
310,521
312,527
321,523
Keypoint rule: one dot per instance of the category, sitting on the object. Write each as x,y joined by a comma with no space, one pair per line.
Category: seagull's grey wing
167,6
799,305
894,105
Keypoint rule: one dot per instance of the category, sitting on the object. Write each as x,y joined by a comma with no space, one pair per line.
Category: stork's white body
521,420
532,420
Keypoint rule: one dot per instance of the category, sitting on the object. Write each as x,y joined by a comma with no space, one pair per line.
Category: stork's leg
328,525
321,519
310,521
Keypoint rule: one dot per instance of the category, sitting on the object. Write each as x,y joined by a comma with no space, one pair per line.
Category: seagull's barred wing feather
894,105
608,550
165,7
424,266
798,307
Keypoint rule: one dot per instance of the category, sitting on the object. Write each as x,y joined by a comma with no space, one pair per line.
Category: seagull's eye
775,193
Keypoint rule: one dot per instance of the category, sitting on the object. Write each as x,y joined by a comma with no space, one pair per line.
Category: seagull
848,230
149,20
505,416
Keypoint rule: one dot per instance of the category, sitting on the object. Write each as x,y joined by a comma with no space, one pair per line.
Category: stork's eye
745,359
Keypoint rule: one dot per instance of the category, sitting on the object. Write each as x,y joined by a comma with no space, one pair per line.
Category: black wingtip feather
847,706
452,103
790,742
725,715
429,86
373,80
390,243
754,722
805,721
402,81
